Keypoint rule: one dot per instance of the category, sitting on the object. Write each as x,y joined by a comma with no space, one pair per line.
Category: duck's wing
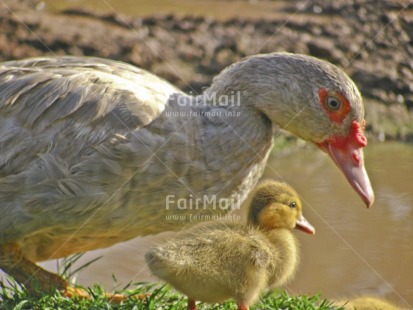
38,92
55,115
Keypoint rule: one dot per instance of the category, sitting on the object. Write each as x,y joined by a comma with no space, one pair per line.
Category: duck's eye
333,103
293,204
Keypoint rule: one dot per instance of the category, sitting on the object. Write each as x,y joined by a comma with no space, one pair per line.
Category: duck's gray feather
89,153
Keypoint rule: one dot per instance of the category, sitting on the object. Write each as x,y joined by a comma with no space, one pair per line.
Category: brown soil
371,40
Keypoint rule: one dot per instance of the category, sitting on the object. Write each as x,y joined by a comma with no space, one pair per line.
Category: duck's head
310,98
276,205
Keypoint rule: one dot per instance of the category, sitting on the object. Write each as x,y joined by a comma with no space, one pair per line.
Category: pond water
214,8
355,250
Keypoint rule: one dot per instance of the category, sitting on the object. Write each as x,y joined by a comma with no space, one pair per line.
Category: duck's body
91,148
215,261
85,174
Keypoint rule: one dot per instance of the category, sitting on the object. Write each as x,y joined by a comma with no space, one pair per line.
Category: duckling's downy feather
224,255
218,260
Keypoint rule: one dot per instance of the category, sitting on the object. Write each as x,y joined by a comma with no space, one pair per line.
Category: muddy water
214,8
355,251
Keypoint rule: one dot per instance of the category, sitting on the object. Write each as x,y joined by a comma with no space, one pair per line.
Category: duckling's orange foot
191,304
242,306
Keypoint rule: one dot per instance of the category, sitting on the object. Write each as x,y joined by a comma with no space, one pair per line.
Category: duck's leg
35,279
243,306
191,304
24,271
39,281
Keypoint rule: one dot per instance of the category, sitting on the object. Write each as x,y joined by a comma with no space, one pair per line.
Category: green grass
155,297
158,297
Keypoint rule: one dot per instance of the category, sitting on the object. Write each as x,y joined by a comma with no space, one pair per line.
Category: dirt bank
371,40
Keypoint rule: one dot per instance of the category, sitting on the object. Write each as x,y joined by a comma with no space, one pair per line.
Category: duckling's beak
304,225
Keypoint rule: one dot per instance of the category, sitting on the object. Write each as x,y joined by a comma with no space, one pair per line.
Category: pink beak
304,225
347,153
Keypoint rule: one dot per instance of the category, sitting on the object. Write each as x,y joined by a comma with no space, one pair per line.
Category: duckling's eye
333,103
293,204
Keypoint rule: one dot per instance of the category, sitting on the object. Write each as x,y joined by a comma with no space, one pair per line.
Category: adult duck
95,152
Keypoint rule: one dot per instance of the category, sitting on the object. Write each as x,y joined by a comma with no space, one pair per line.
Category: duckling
218,260
368,303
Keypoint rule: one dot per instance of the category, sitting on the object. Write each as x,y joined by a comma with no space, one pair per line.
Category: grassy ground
157,297
141,296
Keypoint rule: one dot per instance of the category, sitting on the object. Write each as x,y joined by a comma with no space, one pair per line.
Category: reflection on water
355,251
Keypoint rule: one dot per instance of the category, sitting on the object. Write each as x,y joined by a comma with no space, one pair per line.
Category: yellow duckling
368,303
215,261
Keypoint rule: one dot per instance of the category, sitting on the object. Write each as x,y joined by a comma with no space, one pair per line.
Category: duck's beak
304,225
347,153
